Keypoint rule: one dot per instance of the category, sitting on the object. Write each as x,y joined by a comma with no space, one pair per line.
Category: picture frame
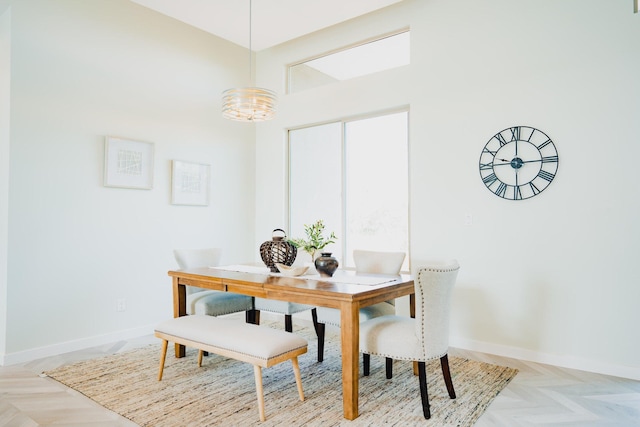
190,183
128,163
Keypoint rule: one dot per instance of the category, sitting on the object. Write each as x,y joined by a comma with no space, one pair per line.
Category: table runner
357,279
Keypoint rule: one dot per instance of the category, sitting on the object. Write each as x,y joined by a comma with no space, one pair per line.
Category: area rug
222,392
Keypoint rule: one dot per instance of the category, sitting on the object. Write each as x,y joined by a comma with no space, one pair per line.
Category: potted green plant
315,240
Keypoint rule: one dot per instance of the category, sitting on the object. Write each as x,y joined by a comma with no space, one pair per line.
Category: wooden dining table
343,292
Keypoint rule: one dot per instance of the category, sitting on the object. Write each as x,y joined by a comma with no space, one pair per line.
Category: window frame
379,37
343,209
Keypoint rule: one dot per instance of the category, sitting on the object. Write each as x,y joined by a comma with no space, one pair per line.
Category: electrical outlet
121,304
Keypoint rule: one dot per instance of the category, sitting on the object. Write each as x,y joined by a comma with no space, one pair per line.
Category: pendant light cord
249,104
250,56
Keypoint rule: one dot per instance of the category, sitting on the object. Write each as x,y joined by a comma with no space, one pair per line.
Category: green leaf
315,240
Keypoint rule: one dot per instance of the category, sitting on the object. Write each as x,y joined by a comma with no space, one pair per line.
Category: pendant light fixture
249,104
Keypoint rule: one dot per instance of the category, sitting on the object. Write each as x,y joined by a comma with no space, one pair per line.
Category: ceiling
273,21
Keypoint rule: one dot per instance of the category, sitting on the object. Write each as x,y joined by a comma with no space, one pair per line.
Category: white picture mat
128,163
190,183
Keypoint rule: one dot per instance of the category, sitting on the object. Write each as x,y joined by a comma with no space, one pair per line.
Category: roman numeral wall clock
518,163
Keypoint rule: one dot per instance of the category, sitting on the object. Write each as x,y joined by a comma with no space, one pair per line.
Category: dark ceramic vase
326,265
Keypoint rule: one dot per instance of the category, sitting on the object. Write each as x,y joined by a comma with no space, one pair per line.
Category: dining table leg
179,309
412,313
350,341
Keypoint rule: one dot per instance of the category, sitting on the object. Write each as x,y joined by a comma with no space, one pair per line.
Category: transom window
367,58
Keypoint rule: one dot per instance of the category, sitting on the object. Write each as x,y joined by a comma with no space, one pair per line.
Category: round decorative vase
278,250
326,265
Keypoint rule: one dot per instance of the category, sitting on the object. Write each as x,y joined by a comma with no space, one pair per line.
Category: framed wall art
128,163
189,183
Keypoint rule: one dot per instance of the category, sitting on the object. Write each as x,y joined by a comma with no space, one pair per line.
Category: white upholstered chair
367,262
205,301
421,339
283,307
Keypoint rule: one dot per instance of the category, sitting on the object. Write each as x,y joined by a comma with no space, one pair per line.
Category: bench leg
296,372
257,371
200,354
163,355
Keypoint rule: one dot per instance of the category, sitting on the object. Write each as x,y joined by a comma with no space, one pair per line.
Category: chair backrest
194,258
378,262
434,289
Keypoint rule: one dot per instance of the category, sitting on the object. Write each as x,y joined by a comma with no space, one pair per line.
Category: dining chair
206,301
367,262
283,307
421,339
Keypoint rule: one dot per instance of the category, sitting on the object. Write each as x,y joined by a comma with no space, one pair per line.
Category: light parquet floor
540,395
544,395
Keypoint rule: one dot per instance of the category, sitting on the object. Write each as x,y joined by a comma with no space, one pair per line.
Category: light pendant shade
249,104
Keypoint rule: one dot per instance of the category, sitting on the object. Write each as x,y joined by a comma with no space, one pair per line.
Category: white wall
5,82
79,71
553,278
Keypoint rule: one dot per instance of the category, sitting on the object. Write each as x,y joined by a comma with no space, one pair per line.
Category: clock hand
531,161
508,162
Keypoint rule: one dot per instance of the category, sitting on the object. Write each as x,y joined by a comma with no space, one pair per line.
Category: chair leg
444,363
314,317
320,332
163,355
200,354
296,372
319,327
422,375
366,363
250,316
389,367
257,372
288,323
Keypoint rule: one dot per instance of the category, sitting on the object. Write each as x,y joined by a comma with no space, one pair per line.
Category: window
368,58
354,176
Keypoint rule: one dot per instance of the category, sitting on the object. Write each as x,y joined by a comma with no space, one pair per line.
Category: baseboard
68,346
563,361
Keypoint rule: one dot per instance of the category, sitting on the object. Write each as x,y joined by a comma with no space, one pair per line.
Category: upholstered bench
259,345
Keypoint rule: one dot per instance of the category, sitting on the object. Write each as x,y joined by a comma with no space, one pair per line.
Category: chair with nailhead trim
421,339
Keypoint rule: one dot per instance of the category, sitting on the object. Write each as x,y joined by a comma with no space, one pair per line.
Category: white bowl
286,270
